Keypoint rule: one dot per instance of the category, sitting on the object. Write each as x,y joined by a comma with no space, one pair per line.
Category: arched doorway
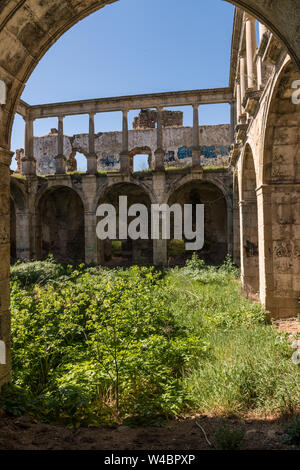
215,222
249,226
126,252
60,226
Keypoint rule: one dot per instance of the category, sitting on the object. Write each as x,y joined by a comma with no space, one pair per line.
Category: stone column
90,237
259,72
196,150
238,101
60,158
5,161
89,189
160,247
279,241
28,163
124,155
233,120
236,230
92,157
242,78
250,50
159,154
249,247
23,235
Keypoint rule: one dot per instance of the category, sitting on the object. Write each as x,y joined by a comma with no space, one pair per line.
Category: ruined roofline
202,126
143,101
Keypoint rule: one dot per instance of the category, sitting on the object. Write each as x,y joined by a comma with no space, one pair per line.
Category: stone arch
72,162
215,228
60,225
249,225
281,156
140,151
125,252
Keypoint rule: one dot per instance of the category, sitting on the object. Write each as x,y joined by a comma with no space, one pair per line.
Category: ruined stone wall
214,140
148,118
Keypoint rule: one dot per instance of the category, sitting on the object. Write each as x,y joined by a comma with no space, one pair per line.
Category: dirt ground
290,325
191,433
23,434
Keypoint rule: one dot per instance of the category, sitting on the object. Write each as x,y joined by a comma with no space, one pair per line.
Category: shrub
101,347
37,272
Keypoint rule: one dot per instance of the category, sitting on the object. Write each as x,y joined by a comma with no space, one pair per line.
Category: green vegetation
103,346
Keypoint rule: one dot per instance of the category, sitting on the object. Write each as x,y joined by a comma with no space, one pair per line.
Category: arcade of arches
258,221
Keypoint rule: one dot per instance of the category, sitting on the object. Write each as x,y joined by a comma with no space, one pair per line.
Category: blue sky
132,47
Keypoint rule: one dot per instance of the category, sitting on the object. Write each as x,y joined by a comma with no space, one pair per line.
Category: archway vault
28,28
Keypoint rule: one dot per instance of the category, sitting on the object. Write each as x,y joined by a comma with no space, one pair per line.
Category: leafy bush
93,345
101,347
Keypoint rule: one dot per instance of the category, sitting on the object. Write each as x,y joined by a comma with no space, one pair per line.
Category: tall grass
248,366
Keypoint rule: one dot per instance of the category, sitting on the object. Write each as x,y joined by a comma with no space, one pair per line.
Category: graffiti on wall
47,165
208,152
109,160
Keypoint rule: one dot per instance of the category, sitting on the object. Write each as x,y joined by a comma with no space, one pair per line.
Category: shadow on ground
186,434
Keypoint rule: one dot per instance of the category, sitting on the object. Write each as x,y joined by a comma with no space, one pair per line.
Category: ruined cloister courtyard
193,313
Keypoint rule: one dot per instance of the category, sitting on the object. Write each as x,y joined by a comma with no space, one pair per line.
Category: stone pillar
90,237
250,50
159,154
28,163
249,247
60,158
160,247
92,157
279,241
238,102
236,230
23,235
229,227
196,150
5,161
233,121
124,155
89,188
259,72
242,78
